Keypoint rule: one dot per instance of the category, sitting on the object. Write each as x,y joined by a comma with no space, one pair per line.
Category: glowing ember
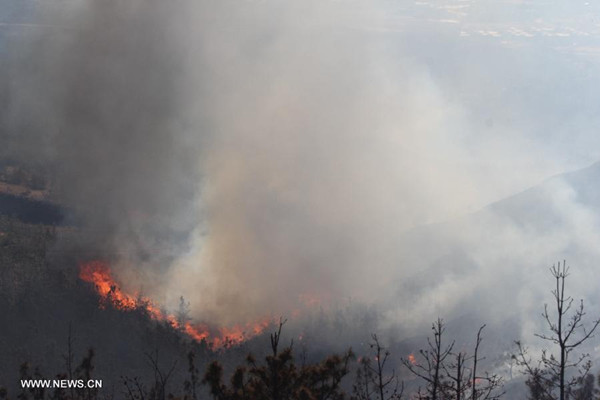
98,273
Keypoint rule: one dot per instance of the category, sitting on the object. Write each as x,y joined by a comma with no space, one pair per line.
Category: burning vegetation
194,369
99,274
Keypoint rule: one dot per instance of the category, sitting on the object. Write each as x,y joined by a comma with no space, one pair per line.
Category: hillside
501,285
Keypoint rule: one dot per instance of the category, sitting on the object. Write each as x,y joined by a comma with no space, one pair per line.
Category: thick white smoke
248,154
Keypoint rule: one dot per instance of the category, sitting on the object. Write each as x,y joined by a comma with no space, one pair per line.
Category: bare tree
586,389
161,378
431,369
487,386
373,381
457,380
134,389
568,332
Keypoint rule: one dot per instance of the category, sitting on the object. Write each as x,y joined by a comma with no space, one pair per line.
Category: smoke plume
250,155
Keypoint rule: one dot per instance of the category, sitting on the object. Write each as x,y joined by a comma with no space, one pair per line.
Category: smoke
249,155
97,102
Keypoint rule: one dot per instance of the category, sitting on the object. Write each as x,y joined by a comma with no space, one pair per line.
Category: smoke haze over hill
249,155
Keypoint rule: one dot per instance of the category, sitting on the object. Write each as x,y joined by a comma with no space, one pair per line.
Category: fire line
99,273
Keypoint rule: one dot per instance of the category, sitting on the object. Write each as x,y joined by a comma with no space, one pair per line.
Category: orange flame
98,273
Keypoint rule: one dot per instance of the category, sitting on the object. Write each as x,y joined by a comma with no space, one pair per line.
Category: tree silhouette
431,366
457,379
279,378
586,389
373,381
191,384
487,386
161,377
548,377
183,313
